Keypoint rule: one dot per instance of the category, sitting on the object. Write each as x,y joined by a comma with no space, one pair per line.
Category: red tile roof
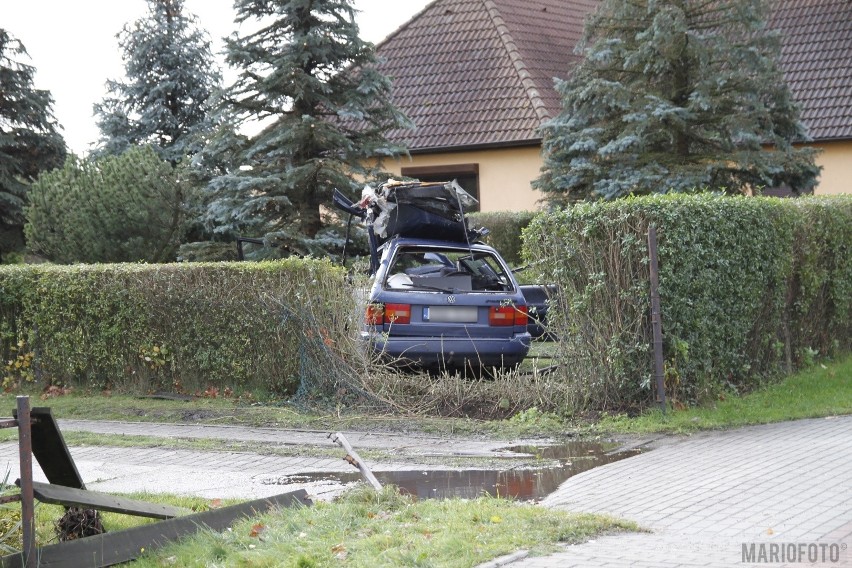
816,56
479,73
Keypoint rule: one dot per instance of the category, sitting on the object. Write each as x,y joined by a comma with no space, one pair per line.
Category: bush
181,327
128,208
506,228
749,287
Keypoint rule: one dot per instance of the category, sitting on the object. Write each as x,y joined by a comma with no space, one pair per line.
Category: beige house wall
504,174
836,162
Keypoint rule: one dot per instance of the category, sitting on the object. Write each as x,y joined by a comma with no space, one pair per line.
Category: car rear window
457,270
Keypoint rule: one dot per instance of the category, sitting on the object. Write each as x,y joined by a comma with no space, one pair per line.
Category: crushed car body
440,299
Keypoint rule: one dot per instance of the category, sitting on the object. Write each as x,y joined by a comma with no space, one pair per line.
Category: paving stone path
716,499
773,489
238,474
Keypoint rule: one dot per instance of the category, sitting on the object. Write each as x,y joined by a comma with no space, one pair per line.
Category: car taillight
379,314
521,315
397,313
507,315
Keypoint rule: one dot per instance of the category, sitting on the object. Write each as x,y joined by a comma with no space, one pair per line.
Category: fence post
656,319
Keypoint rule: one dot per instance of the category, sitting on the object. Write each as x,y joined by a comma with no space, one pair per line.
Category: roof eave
525,143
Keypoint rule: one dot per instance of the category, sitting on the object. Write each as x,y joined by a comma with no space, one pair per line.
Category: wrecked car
440,299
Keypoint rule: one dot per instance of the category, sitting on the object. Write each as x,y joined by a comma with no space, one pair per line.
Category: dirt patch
196,415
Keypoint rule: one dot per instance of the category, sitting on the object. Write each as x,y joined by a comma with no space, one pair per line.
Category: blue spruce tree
317,110
675,95
30,141
170,76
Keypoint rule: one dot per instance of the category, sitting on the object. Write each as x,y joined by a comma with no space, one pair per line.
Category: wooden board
50,450
70,497
123,546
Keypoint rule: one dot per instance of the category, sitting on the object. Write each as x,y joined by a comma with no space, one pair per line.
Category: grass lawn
369,529
821,391
824,389
362,528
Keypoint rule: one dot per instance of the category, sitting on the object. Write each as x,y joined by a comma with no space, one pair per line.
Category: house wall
504,174
836,162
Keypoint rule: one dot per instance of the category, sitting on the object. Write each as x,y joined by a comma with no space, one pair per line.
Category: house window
467,175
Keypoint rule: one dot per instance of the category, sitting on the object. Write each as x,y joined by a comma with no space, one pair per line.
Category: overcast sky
73,46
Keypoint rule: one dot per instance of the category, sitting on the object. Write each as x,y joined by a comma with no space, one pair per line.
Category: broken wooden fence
39,437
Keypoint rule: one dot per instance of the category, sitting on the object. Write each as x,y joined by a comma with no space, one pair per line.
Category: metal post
656,319
25,450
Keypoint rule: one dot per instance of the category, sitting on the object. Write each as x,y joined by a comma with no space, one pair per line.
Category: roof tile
480,72
816,57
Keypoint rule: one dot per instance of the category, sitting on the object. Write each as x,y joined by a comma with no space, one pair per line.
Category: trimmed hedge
750,288
506,228
178,327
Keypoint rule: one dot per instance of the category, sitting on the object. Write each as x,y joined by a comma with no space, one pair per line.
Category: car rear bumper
451,352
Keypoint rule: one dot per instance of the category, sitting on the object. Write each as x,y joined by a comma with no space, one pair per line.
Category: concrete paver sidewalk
709,496
238,474
703,498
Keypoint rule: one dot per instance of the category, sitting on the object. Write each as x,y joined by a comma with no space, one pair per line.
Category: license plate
450,314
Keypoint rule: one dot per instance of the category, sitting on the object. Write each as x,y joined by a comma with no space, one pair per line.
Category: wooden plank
70,497
51,452
354,459
25,455
123,546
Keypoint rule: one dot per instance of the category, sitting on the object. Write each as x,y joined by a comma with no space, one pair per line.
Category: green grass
81,405
46,516
362,528
370,529
821,391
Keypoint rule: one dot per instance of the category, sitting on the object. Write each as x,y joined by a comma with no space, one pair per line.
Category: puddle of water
521,484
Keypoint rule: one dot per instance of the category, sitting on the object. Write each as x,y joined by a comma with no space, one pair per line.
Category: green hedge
506,228
179,327
750,288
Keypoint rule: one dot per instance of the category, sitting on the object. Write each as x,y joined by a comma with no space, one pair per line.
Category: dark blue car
440,299
446,305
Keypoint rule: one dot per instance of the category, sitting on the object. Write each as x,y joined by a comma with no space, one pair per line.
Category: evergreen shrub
257,327
750,288
505,231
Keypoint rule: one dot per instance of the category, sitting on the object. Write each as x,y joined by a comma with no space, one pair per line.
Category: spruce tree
313,110
29,135
675,95
170,76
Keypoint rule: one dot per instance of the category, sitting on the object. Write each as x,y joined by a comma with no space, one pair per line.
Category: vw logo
451,299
